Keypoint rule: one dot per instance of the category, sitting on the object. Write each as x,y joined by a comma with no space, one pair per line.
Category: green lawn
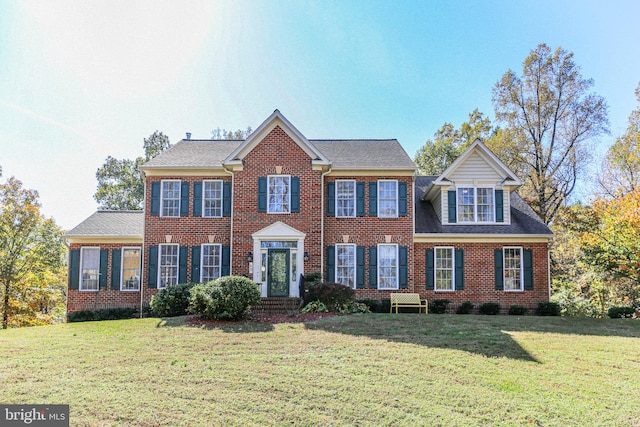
373,369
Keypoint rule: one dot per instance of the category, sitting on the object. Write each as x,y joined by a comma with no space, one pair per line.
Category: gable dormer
474,189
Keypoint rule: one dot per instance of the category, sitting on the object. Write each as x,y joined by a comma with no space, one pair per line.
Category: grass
374,369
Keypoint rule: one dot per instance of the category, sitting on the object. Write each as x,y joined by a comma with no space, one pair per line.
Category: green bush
377,305
574,305
548,309
172,301
518,310
333,295
465,308
315,307
438,306
490,308
226,298
102,314
620,312
357,308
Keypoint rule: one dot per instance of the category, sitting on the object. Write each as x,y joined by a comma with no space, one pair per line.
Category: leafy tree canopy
239,134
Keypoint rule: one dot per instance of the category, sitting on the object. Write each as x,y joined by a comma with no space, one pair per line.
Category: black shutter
451,199
373,199
360,267
155,199
499,206
152,279
373,266
528,269
331,199
195,264
360,199
182,264
402,199
226,199
430,271
295,194
459,261
115,269
403,271
197,198
184,199
262,194
330,272
498,269
104,268
226,261
74,269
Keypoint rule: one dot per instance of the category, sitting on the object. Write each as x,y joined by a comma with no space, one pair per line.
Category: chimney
188,135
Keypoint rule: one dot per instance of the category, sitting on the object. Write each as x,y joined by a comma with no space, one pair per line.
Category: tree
553,117
448,143
620,173
31,253
120,182
218,134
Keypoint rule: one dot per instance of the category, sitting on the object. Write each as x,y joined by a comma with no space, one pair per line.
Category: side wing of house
476,239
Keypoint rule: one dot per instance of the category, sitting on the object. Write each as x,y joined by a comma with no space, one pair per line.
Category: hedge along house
278,205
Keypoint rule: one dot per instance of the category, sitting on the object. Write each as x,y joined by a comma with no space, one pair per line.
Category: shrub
490,308
548,309
333,295
357,308
172,301
465,308
518,310
438,306
314,307
102,314
377,305
620,312
574,305
226,298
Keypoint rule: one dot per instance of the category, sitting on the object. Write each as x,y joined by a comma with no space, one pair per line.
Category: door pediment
278,231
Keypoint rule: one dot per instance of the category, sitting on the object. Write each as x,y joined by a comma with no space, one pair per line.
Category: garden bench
407,300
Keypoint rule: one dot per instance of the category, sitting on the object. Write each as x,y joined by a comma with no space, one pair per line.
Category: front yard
373,369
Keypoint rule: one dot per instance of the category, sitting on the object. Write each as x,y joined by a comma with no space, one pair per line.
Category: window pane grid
387,267
211,262
131,269
444,269
388,199
171,198
90,269
168,265
346,265
212,198
512,269
485,204
278,194
345,198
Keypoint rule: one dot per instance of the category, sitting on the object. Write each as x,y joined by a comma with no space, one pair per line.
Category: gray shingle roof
523,219
344,154
110,223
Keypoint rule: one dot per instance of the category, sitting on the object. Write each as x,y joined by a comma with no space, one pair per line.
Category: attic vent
188,135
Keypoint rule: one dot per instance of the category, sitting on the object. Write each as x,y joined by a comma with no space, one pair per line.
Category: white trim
221,197
397,266
202,260
159,282
162,197
397,198
354,194
81,268
124,248
288,194
504,263
453,269
480,238
475,189
355,263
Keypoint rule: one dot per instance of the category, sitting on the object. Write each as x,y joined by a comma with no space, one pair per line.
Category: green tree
120,182
239,134
448,143
31,255
553,116
620,172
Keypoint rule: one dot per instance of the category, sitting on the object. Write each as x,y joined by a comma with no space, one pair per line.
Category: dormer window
475,204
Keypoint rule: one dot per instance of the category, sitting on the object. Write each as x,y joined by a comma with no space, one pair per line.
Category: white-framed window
345,198
168,265
130,275
170,198
444,269
346,265
476,204
210,262
212,198
387,198
388,266
89,268
512,269
279,194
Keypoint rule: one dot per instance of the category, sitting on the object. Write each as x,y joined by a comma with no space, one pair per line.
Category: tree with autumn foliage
32,252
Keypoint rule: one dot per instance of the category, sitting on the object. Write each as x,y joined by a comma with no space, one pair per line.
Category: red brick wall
479,276
103,298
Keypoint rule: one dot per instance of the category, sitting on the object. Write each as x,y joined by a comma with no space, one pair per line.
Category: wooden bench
407,300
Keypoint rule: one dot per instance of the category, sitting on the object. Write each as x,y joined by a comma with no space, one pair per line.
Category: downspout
231,224
322,210
142,251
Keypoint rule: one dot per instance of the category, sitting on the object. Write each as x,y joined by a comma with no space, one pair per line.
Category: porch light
249,256
306,256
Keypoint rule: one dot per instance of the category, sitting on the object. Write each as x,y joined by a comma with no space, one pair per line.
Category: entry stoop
277,305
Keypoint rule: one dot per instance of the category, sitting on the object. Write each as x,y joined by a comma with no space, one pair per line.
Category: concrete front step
275,305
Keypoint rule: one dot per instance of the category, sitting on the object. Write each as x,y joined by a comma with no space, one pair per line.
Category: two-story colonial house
278,205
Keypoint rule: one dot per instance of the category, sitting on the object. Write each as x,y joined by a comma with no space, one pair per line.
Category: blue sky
81,80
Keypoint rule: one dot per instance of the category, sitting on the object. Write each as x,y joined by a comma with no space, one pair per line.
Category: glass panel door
278,273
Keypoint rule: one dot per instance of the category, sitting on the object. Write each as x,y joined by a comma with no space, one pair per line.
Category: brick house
278,205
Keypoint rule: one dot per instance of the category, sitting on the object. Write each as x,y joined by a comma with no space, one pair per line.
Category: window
211,262
512,269
130,269
345,198
212,199
476,204
168,274
90,270
387,267
279,194
170,200
444,268
387,199
346,265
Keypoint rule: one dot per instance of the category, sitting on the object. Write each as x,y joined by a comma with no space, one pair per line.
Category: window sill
88,290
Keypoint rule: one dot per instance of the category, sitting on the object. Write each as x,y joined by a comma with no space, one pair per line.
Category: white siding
444,205
507,204
475,168
437,206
